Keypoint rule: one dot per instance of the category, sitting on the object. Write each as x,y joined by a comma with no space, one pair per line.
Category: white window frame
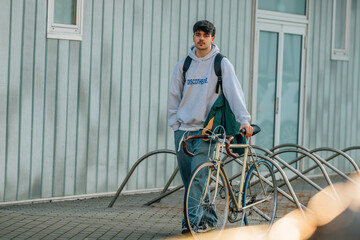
341,53
65,31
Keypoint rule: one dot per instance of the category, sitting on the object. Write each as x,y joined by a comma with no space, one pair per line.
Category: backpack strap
186,66
217,68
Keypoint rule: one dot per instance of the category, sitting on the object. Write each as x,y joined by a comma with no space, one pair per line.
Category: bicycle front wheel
207,201
260,195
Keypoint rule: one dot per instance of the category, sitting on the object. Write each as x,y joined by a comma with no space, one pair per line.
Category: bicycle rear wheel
207,201
263,212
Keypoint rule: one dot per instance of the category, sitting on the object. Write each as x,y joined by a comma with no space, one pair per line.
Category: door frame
281,23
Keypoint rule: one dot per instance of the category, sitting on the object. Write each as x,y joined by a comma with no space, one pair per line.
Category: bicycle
208,205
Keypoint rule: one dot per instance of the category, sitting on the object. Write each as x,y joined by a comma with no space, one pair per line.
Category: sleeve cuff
242,122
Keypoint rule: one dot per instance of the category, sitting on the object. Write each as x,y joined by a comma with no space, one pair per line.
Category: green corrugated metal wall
75,116
332,117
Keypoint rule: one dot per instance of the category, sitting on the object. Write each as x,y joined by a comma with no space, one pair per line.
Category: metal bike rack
271,156
293,197
323,161
133,169
294,170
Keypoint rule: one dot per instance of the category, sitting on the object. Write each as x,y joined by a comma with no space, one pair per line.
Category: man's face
203,40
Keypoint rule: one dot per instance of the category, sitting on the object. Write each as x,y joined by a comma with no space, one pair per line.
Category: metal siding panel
318,91
344,115
245,73
95,104
38,102
14,99
325,91
50,118
233,31
122,159
239,59
135,89
209,10
315,59
105,96
71,118
355,121
125,161
201,9
308,75
114,170
143,133
218,15
173,57
26,100
163,92
154,92
4,65
84,103
224,28
60,118
184,29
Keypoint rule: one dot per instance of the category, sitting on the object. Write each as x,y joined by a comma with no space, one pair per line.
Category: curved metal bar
337,153
351,148
285,145
170,180
325,162
164,195
167,185
326,176
340,153
287,165
133,169
292,198
289,145
291,190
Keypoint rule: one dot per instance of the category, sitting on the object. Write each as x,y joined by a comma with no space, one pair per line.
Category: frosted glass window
341,29
290,92
286,6
65,19
340,22
65,11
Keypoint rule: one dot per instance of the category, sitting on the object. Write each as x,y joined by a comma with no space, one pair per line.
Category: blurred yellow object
292,226
323,207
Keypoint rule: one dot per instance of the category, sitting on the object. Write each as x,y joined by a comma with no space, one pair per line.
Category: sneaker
205,228
185,230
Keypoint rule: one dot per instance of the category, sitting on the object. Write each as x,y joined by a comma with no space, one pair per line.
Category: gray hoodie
190,103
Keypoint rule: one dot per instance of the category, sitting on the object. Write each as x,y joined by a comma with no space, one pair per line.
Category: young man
191,99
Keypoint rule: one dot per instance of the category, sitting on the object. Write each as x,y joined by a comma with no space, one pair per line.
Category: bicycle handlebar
227,143
229,138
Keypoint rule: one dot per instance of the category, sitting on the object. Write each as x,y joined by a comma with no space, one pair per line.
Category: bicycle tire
265,212
202,209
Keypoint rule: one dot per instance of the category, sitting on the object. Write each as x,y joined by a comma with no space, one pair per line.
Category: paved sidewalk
129,218
92,219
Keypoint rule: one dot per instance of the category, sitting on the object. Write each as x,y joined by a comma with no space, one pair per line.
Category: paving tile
92,219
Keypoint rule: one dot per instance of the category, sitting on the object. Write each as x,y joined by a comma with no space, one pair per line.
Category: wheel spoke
260,195
206,209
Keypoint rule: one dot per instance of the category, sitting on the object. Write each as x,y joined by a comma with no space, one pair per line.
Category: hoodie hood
214,50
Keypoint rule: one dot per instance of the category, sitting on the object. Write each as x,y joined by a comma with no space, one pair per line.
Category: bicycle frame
237,202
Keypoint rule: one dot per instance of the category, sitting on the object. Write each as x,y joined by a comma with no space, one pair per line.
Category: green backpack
220,113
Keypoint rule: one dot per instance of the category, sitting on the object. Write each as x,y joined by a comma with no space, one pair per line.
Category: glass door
278,76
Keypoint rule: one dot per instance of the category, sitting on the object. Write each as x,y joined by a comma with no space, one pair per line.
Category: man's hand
249,130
